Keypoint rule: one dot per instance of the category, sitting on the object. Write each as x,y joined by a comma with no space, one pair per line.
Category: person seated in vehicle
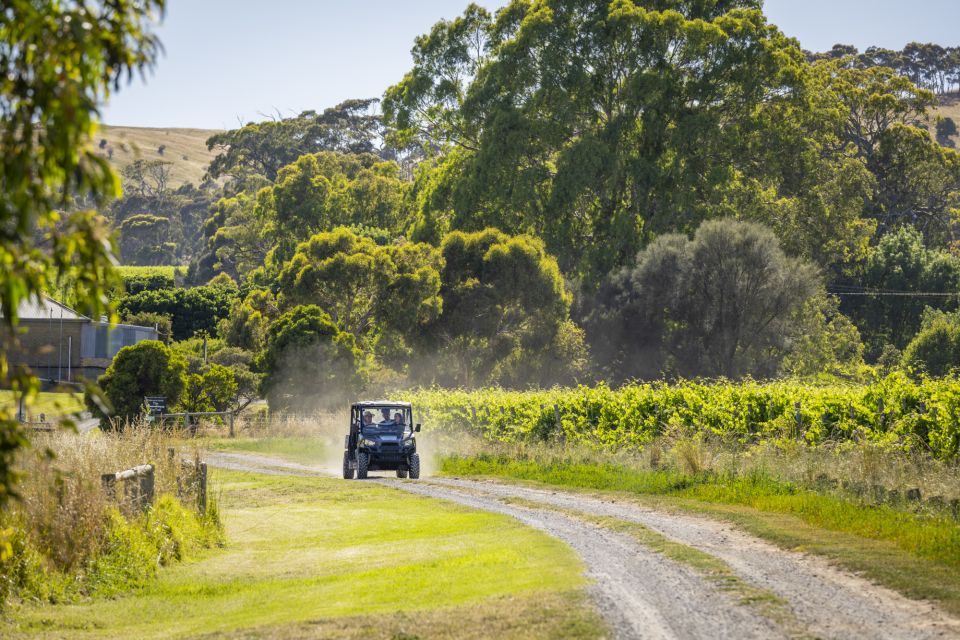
368,419
398,419
387,421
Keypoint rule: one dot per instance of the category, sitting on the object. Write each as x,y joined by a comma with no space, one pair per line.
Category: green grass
304,450
916,555
168,271
51,404
320,557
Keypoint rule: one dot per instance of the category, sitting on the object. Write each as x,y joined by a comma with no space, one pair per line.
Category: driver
386,422
398,419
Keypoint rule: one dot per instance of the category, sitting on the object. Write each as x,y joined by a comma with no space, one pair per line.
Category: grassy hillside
186,149
949,108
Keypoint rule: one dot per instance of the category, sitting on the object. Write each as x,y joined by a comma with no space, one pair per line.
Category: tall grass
68,538
860,489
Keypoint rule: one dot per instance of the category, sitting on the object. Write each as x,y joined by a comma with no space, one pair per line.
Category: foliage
163,323
325,190
946,130
896,412
591,123
315,193
159,225
213,389
148,368
144,239
249,319
60,60
724,303
899,266
935,350
504,306
927,65
192,311
382,295
826,342
309,362
263,148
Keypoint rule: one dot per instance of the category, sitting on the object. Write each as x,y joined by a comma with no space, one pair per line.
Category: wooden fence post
202,488
232,416
146,486
799,417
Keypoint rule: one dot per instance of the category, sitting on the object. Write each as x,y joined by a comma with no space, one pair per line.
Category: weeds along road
667,575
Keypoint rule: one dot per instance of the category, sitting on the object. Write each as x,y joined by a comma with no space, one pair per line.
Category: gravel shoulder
642,594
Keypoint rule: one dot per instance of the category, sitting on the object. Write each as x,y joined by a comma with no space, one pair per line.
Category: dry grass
949,108
186,149
63,508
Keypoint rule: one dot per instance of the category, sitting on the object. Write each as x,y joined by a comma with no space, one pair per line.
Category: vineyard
895,411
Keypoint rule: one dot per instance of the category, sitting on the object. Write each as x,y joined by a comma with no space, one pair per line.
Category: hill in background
185,149
950,108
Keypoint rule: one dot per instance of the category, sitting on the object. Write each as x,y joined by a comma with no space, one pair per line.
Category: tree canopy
724,303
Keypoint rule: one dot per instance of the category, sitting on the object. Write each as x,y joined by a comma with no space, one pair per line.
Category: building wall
79,349
50,349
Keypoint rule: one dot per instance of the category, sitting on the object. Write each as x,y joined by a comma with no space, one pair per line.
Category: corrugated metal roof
45,308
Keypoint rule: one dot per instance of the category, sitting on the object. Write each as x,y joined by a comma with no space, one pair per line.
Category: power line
897,294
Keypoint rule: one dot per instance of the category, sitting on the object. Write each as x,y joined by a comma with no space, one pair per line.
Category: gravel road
642,594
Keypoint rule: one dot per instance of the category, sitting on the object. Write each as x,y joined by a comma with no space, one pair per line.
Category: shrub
149,368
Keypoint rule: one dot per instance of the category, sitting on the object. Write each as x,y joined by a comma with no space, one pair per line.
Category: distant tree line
928,65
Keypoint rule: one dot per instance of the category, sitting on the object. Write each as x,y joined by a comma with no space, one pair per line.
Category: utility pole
60,350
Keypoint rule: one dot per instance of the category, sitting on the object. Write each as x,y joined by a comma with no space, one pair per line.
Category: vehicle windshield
385,419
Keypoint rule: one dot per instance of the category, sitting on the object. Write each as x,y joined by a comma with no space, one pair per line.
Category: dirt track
642,594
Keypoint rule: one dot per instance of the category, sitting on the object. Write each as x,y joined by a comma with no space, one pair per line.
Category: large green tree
60,60
591,122
309,363
191,311
505,309
263,148
724,303
316,193
383,295
148,368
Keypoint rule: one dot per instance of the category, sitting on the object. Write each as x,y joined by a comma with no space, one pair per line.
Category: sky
228,62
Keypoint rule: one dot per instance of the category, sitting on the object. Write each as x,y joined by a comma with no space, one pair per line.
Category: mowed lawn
318,557
50,404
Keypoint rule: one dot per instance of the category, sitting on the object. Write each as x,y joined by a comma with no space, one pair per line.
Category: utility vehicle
381,438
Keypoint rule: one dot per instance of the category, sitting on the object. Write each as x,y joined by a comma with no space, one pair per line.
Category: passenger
398,419
367,419
386,422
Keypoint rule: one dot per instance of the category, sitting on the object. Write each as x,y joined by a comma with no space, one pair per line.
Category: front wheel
363,463
414,466
347,469
401,473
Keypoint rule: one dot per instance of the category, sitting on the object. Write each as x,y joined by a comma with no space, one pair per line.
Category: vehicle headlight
368,443
409,442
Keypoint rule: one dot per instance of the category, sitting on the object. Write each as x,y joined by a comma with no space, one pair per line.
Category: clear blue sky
232,60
